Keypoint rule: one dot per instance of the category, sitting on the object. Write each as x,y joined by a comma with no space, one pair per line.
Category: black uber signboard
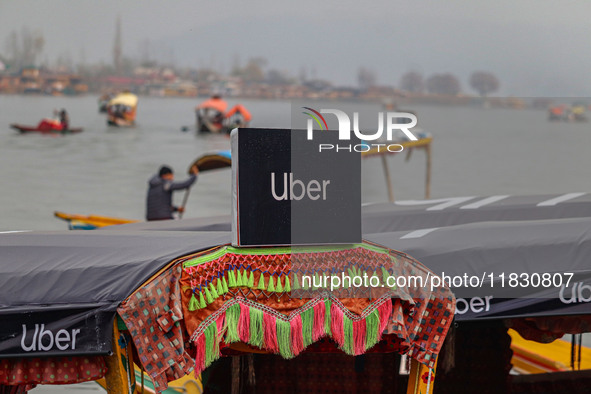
288,190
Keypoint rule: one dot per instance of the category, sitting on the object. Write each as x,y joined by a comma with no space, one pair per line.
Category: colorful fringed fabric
258,296
248,295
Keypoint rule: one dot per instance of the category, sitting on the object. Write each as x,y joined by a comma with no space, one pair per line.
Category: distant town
22,73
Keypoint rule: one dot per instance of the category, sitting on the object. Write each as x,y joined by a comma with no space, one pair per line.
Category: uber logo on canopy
286,192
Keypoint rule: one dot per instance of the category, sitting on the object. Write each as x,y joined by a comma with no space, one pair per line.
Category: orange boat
213,118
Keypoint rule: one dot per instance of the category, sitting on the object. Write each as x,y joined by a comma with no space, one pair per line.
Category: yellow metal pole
388,180
118,381
421,379
428,172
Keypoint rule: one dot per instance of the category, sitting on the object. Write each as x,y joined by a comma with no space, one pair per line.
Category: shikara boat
88,305
212,116
502,238
531,357
90,222
121,110
43,130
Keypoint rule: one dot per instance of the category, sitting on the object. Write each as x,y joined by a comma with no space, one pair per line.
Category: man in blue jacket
159,202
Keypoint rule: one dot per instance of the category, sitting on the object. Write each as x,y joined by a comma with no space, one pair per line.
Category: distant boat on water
213,118
42,130
564,113
121,110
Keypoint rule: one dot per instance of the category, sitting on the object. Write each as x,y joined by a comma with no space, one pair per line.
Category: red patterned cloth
153,317
57,370
226,296
422,328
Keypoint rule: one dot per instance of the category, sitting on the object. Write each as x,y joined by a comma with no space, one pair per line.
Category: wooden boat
90,222
210,115
43,129
131,298
237,116
531,357
209,161
213,118
121,110
460,236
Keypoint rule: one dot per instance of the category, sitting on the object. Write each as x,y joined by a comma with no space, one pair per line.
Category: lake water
104,171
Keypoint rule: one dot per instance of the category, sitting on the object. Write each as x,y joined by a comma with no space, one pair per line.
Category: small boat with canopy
121,110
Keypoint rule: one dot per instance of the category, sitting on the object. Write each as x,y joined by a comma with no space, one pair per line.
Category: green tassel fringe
279,288
287,287
316,280
208,296
202,303
213,291
220,287
224,284
305,285
239,279
348,344
307,326
251,280
327,316
284,339
211,344
232,317
231,278
372,323
385,275
256,327
261,285
193,303
352,272
271,287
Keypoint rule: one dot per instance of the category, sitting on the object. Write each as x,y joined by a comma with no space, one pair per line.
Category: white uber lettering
295,189
44,340
474,305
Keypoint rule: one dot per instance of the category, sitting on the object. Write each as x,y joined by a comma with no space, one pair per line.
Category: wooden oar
187,192
185,198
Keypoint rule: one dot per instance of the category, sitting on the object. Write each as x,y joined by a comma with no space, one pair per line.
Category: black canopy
489,238
68,281
74,280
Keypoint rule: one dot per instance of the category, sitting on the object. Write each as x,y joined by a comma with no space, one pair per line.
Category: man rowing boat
159,200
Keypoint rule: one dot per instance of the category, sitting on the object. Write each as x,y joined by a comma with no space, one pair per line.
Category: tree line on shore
24,48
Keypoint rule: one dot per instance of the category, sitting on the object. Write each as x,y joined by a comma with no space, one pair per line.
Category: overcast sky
535,47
